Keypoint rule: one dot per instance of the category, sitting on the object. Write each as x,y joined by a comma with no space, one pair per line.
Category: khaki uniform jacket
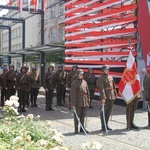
106,86
71,77
34,80
147,87
91,80
10,79
80,96
23,82
2,77
49,80
61,77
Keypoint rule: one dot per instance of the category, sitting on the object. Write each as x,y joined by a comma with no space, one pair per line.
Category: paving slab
118,139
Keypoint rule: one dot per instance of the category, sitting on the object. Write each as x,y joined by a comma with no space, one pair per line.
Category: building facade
54,29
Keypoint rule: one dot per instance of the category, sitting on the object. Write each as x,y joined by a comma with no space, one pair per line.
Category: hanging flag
10,2
20,5
36,5
45,5
129,86
32,2
29,3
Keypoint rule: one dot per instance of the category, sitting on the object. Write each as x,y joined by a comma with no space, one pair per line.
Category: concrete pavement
118,139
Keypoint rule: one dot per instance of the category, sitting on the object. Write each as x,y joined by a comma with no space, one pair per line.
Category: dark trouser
108,109
28,98
148,106
49,98
91,96
34,94
81,112
64,95
10,92
22,100
130,110
149,119
60,94
3,96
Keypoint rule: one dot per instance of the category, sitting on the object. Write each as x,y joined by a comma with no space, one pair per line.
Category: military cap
27,67
23,67
80,71
51,67
11,66
33,68
5,69
104,67
90,69
74,66
60,66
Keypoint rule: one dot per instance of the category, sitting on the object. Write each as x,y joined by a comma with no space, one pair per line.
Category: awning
35,50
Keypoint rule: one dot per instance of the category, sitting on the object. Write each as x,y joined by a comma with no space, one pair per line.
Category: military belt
82,93
109,88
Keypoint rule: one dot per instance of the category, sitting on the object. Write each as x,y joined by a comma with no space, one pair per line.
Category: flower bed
19,132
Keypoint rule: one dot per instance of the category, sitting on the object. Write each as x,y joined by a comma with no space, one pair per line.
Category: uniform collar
105,75
79,80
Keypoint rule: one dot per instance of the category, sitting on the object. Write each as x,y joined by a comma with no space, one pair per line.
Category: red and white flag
32,2
36,5
10,2
45,5
129,86
20,5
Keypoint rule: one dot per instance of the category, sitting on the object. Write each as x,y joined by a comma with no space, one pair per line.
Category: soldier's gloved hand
46,90
103,101
73,107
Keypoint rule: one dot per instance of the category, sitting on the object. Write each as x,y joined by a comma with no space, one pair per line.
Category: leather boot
31,102
75,125
82,122
133,126
35,100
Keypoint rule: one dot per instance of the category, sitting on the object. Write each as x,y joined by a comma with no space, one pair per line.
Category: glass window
61,34
15,33
53,12
53,35
62,9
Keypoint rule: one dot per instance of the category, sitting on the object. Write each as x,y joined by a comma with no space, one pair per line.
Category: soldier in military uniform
3,90
34,86
49,86
91,80
143,79
22,84
80,99
106,86
61,76
147,95
130,111
71,77
9,82
28,92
